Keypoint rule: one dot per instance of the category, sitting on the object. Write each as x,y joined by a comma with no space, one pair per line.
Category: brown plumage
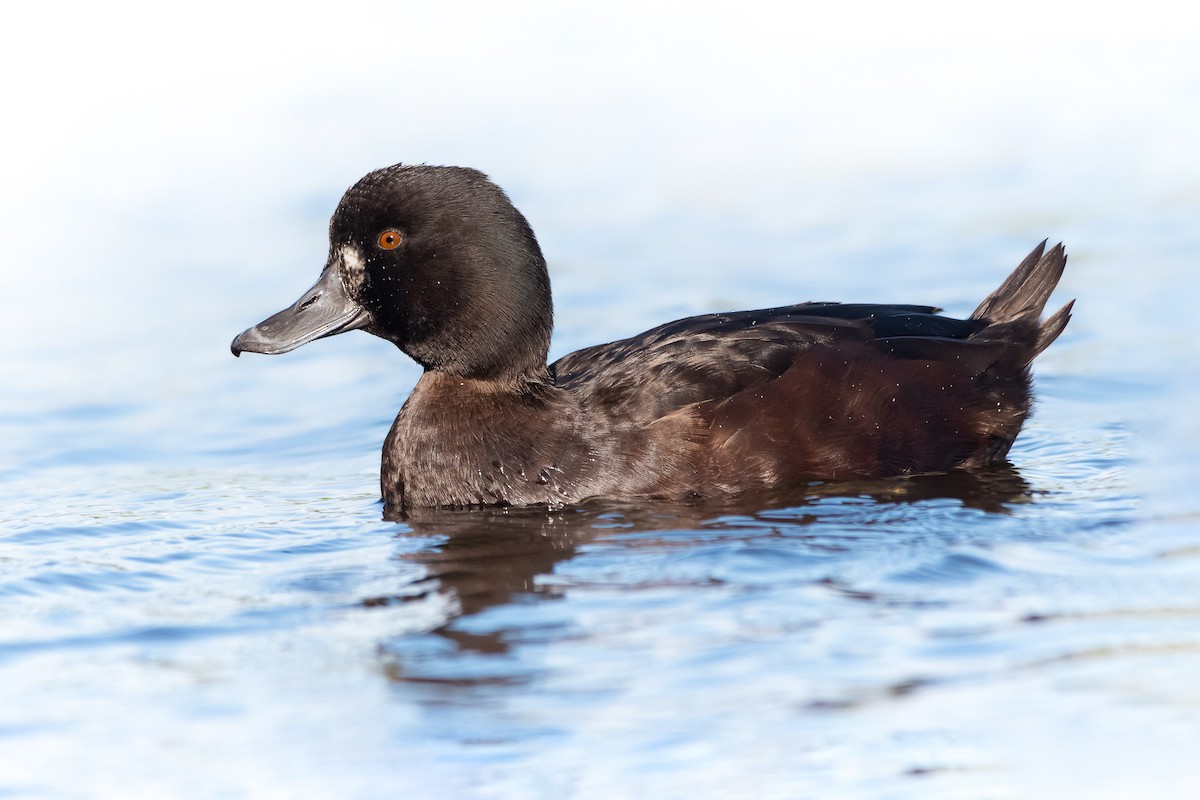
712,404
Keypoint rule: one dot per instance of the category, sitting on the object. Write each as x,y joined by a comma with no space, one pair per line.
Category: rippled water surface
200,597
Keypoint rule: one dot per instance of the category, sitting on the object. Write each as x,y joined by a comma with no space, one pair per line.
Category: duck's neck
518,383
465,441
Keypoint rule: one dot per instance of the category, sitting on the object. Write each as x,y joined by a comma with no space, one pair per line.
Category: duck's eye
389,239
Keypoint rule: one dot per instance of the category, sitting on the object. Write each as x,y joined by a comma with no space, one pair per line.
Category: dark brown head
436,260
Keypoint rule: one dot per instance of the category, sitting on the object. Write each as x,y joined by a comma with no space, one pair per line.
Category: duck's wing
713,356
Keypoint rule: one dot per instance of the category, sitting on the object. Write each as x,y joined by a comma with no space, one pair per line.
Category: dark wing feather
714,356
925,325
971,355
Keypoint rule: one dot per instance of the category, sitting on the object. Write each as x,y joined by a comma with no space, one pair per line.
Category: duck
438,261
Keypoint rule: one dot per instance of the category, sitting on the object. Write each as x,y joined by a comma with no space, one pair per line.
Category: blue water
200,597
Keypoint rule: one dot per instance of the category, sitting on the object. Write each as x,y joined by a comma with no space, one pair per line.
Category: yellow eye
389,239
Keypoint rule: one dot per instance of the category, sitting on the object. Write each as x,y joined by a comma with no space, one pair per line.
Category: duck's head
436,260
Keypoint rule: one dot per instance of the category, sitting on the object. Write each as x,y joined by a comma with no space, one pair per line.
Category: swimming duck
438,261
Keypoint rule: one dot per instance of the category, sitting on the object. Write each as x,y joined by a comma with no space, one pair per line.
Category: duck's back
715,356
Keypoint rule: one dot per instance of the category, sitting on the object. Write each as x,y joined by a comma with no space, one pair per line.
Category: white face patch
353,271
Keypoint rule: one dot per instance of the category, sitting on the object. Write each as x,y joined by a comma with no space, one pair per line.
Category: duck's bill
324,310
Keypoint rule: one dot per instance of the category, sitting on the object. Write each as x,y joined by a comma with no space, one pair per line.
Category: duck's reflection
488,558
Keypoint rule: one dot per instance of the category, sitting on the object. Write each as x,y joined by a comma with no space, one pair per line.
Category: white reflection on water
199,595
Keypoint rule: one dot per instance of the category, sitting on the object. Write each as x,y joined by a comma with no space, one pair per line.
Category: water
201,598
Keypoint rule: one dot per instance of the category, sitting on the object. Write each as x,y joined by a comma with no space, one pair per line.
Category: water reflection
488,559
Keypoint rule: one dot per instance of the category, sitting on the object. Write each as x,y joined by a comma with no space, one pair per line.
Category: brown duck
438,261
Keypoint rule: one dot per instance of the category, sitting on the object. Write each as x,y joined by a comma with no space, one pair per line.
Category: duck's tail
1019,301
